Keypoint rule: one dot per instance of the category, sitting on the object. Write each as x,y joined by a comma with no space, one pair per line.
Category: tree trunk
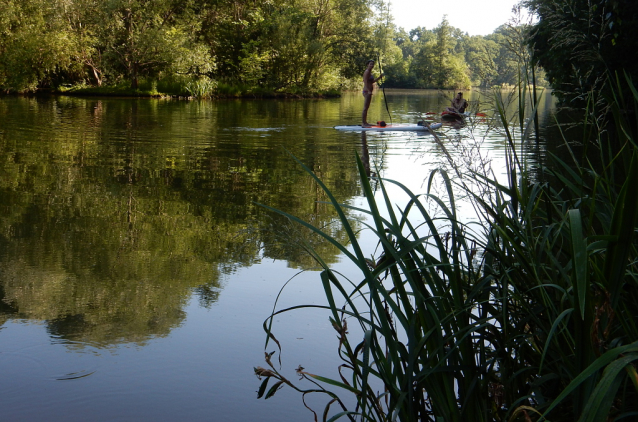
134,77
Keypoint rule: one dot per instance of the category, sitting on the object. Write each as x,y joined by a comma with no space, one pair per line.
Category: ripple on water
33,365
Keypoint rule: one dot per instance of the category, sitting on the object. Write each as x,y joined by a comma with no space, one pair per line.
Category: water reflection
137,266
114,211
365,153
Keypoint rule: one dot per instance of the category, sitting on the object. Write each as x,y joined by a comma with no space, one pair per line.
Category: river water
137,268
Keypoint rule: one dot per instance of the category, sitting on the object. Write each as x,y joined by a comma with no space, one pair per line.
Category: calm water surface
136,267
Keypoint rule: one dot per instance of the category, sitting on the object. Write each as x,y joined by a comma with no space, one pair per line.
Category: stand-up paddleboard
390,128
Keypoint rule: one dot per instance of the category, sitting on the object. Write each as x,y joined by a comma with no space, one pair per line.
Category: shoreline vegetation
252,49
155,90
528,313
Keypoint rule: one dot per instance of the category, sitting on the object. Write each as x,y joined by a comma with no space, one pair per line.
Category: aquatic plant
200,87
528,314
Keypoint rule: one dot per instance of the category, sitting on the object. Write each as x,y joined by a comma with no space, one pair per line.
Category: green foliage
582,43
200,88
410,306
447,58
145,37
145,88
481,55
565,255
280,45
526,314
227,90
111,222
34,44
270,46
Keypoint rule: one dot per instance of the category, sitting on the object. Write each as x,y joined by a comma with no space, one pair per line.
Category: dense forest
212,46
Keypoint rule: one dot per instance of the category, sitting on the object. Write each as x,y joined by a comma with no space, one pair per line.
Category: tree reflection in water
114,212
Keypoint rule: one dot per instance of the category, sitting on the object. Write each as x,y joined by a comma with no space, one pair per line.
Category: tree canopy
298,45
581,43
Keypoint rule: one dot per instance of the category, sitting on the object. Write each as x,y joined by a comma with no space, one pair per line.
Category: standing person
459,104
368,86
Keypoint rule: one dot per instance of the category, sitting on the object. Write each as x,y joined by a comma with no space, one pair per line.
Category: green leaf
550,335
367,344
623,225
334,382
595,366
340,414
602,398
273,389
262,387
579,257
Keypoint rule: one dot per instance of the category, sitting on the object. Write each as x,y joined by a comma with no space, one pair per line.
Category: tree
283,44
145,37
441,51
581,44
449,68
34,43
480,56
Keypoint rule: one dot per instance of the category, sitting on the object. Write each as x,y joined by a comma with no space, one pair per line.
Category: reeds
201,87
528,314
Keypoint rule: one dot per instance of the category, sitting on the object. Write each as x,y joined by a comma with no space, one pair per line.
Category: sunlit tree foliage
278,45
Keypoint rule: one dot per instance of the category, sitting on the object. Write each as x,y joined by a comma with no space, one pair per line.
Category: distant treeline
201,46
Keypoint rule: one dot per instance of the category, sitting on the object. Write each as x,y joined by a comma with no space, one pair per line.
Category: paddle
383,89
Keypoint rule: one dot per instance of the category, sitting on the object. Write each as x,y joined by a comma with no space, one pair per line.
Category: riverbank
183,92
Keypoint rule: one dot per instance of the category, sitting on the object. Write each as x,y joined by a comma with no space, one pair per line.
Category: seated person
459,104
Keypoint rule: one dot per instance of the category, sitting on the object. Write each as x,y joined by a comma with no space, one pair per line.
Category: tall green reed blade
602,362
412,269
397,259
579,259
622,226
599,405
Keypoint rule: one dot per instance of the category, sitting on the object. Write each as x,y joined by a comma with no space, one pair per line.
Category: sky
472,16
